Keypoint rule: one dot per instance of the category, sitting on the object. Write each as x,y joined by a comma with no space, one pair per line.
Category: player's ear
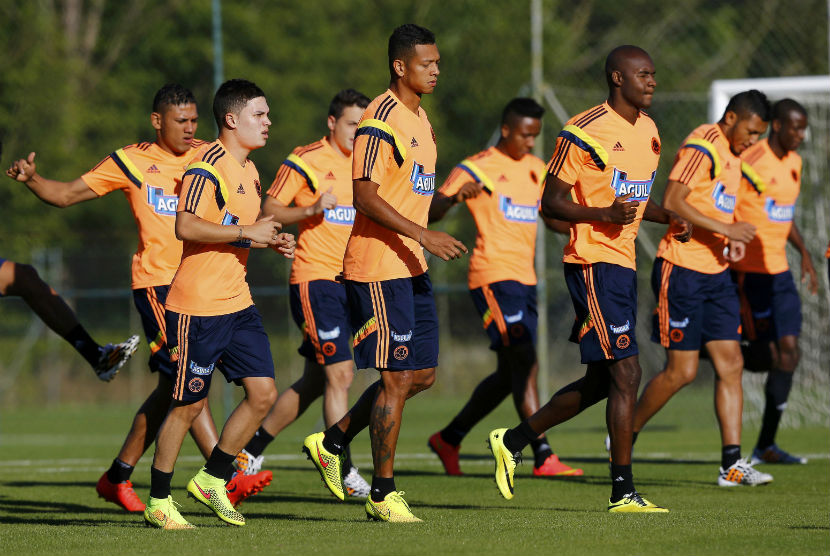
230,120
505,131
155,121
400,67
331,122
617,77
776,126
730,117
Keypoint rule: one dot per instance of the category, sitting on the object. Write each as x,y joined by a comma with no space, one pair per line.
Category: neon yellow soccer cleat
634,503
211,492
163,514
505,462
329,465
393,509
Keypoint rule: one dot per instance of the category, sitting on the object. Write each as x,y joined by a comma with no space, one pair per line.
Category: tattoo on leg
380,427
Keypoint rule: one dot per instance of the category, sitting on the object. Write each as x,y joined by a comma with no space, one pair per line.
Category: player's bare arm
655,213
442,203
291,215
558,203
368,202
807,268
57,193
675,200
190,227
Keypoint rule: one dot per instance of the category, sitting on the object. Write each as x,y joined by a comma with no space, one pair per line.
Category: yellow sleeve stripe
206,170
754,179
296,163
478,174
384,131
126,165
578,137
709,150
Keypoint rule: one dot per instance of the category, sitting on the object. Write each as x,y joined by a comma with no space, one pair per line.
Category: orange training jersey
304,176
706,165
150,178
395,148
769,190
211,277
505,213
603,156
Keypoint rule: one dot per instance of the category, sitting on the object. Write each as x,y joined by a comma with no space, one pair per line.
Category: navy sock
516,439
119,472
347,462
541,451
258,443
219,463
334,440
160,483
381,486
729,455
776,392
84,344
622,481
453,435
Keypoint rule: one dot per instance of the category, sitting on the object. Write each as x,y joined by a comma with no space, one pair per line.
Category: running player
697,301
770,306
317,180
391,306
600,179
149,175
22,280
501,278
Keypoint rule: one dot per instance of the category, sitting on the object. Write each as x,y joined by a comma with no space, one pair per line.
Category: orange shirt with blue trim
211,277
604,156
505,213
150,178
394,148
303,177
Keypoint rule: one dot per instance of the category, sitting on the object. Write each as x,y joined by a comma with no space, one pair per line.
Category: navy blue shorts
770,306
236,344
150,304
693,308
604,296
508,312
394,323
320,309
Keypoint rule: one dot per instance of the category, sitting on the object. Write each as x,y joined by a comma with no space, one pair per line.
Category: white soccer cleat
741,473
356,485
248,464
113,357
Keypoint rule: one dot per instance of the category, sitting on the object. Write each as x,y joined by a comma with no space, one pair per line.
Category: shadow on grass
810,527
18,506
7,520
29,484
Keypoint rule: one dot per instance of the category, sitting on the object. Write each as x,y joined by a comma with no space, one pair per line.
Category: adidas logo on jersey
240,189
502,178
153,169
330,176
414,143
618,147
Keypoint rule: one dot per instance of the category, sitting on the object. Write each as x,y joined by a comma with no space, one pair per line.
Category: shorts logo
676,335
723,201
623,341
401,337
174,353
762,314
329,334
161,203
514,318
621,329
341,214
655,145
195,385
197,370
679,323
517,330
329,349
640,189
518,213
422,183
401,353
779,213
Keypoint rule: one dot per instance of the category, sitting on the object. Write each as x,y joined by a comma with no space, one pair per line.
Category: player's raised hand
740,231
442,244
264,230
327,200
622,211
469,190
685,226
23,169
285,245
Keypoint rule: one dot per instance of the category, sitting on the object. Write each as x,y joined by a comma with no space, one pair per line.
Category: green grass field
51,458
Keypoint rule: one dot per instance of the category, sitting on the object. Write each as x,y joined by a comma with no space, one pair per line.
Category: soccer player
600,179
697,301
316,178
770,306
149,175
391,306
502,186
22,280
209,305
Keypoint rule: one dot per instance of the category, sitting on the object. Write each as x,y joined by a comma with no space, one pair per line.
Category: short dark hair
346,98
231,98
172,94
781,109
403,40
522,107
750,102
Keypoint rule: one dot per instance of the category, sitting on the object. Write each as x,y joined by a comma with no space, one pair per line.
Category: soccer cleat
329,465
242,486
505,462
393,509
119,493
211,492
555,468
355,485
447,453
249,464
164,514
634,503
774,454
741,473
113,357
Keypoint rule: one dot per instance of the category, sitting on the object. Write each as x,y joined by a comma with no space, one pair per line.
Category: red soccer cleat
447,453
242,486
119,493
555,468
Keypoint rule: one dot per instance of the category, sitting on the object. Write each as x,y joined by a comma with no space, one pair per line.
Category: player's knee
339,379
788,356
626,375
422,380
263,398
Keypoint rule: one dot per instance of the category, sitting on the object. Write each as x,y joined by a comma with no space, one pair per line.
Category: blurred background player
391,306
149,174
599,179
770,306
502,186
209,305
697,301
316,178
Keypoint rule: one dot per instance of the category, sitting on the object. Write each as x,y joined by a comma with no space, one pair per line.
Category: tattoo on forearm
380,426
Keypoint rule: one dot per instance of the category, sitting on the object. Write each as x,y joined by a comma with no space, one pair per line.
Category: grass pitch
51,459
